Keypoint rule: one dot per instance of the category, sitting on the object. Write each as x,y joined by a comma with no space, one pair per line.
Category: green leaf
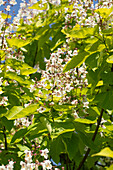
40,59
65,125
104,12
2,55
62,107
87,141
16,64
7,123
19,112
14,76
109,127
110,168
104,100
78,32
107,78
44,38
17,42
36,6
72,145
28,71
93,47
13,111
5,16
22,148
110,59
3,111
76,61
86,121
91,61
105,152
13,99
57,146
19,135
46,124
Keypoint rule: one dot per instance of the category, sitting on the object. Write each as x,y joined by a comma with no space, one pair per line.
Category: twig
93,138
4,130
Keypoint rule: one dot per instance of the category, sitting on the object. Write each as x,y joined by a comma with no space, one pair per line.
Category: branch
35,56
4,130
93,138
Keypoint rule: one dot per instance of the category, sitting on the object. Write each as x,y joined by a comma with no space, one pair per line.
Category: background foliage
56,69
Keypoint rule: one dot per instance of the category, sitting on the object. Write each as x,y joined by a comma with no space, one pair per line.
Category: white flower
11,163
74,102
32,88
8,8
30,166
1,2
41,109
46,164
28,156
45,153
26,105
13,2
8,68
9,167
75,52
23,165
33,1
1,79
76,114
86,104
55,2
2,167
5,98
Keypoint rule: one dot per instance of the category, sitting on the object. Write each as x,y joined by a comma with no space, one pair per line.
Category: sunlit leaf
110,59
110,168
39,6
28,71
76,61
17,42
105,152
19,112
86,121
5,16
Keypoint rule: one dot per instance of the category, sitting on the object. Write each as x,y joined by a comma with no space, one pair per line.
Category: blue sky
14,8
17,6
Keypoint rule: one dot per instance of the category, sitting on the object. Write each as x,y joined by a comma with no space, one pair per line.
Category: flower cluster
9,166
58,85
3,101
28,165
22,122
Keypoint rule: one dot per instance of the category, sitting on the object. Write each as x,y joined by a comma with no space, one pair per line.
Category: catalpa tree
56,69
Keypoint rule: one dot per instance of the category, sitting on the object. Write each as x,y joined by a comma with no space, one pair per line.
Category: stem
74,166
35,56
93,138
4,30
67,164
4,130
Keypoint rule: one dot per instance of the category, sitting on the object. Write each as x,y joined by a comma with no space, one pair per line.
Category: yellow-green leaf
17,42
76,61
110,168
104,12
39,6
105,152
28,71
86,121
19,112
110,59
5,16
